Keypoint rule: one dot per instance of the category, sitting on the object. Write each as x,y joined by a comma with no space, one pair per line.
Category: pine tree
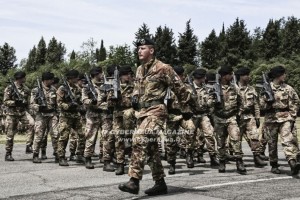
55,52
30,65
291,37
73,55
165,45
271,39
187,46
222,55
102,52
257,44
7,58
41,53
210,51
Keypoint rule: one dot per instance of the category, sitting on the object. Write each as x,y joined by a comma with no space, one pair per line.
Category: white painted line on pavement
241,182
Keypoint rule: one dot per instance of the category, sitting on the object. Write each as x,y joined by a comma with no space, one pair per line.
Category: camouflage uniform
16,114
69,120
153,79
278,118
45,120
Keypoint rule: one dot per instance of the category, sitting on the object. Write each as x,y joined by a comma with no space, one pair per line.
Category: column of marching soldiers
203,109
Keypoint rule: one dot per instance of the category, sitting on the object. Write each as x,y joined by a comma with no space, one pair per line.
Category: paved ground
22,179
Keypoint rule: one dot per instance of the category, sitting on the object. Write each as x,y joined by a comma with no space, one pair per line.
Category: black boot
222,166
263,156
72,157
200,158
79,159
108,167
274,168
36,158
214,161
8,157
44,155
56,158
63,162
189,159
88,163
28,149
258,162
295,167
120,169
159,188
240,166
172,167
132,186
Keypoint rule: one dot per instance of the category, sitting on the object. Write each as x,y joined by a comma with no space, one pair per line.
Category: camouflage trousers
2,124
145,147
42,126
11,124
227,128
288,140
174,134
129,122
113,139
92,127
66,126
205,135
250,132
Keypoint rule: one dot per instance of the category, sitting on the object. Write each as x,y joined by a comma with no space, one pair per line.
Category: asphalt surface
22,179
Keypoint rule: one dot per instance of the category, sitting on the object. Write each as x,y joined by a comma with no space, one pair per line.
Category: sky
24,22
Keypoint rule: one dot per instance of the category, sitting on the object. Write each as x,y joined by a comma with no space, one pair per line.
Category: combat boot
44,155
63,162
295,167
258,162
88,163
36,158
56,158
8,157
214,161
189,159
172,167
160,187
80,159
120,169
72,157
28,149
222,166
132,186
200,158
274,168
240,166
263,156
108,167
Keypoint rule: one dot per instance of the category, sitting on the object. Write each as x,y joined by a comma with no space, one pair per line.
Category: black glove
42,108
73,106
257,121
19,103
94,102
135,102
187,116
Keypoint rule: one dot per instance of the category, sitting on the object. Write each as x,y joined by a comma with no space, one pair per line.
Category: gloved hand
257,121
94,102
135,102
73,106
187,116
42,108
19,103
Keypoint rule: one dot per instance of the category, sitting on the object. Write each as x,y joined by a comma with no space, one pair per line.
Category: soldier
16,97
153,79
225,121
280,117
68,101
43,102
90,98
201,118
249,114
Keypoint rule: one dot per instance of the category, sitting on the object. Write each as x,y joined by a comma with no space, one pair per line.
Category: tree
165,45
88,50
73,55
30,65
187,46
55,52
223,47
41,53
291,37
7,58
210,51
102,52
257,44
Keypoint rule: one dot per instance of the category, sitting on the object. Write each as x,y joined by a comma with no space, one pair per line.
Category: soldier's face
21,80
245,78
125,77
282,78
145,53
199,81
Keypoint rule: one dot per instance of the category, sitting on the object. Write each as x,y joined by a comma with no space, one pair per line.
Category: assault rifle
91,87
116,83
112,83
15,92
168,96
217,90
69,92
266,88
41,95
190,82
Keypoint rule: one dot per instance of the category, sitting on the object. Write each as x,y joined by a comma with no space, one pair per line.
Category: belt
280,110
225,114
150,104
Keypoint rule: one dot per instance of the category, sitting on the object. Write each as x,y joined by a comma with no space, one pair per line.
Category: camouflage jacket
126,92
93,110
249,107
204,99
10,98
285,106
152,80
64,101
50,95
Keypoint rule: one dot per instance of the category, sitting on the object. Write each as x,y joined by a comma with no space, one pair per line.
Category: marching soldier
280,115
226,109
68,101
43,102
249,114
153,79
16,96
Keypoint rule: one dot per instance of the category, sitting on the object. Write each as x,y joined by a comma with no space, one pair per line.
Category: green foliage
291,37
210,51
102,52
41,51
271,39
7,58
73,55
55,52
